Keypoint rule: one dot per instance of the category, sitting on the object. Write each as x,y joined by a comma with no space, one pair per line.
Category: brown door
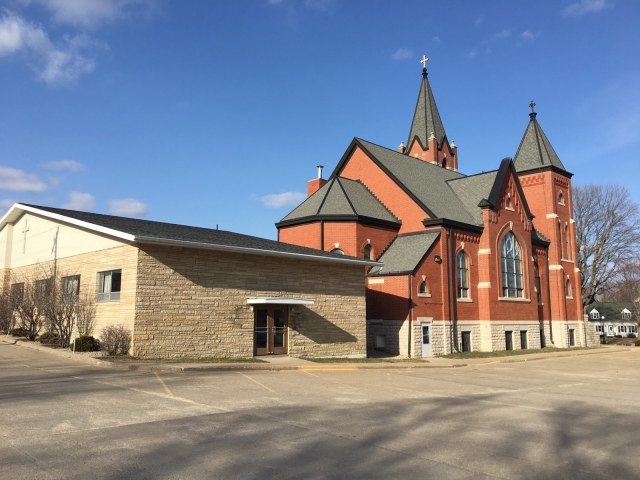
270,331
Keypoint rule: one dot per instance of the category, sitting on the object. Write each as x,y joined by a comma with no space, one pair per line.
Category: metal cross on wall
24,241
424,61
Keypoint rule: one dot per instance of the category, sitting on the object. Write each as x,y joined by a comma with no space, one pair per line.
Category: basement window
109,284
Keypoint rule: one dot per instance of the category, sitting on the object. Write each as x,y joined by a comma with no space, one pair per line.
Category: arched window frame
567,245
567,289
368,252
424,289
462,275
536,275
560,199
512,266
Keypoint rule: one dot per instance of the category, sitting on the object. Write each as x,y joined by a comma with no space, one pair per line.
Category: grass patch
361,360
509,353
126,359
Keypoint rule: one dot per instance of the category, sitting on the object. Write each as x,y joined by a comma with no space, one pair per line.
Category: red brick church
470,262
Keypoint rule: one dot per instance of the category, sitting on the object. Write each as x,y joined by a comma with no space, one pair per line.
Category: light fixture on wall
437,259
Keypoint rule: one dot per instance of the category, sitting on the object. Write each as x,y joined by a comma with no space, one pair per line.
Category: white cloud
586,6
504,33
479,20
70,165
80,201
53,64
92,13
435,39
473,53
527,35
402,54
129,207
278,200
19,181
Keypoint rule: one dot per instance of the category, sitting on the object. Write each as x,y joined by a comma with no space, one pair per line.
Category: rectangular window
43,288
17,293
109,286
523,339
572,338
71,288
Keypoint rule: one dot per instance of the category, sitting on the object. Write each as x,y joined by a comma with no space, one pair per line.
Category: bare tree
607,228
86,311
27,303
6,312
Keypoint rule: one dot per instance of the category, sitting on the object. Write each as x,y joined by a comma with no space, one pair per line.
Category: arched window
444,163
423,289
367,252
337,250
568,289
560,240
508,205
463,275
536,272
567,247
560,199
511,260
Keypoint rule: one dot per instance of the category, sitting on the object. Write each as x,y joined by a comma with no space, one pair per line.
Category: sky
217,113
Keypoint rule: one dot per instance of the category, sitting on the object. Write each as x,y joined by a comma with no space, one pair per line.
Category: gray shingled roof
471,190
426,181
535,150
342,197
404,254
611,310
148,231
426,118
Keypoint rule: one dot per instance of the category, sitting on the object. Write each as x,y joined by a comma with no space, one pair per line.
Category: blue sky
205,113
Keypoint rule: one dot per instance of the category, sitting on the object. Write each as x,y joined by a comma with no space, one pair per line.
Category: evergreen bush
86,344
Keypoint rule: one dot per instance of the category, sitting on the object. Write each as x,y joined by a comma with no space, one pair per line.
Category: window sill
465,300
510,209
514,299
424,295
569,298
566,260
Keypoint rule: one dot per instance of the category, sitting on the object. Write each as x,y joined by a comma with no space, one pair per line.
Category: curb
231,367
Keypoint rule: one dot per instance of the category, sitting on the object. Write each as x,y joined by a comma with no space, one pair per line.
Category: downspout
549,300
452,292
410,314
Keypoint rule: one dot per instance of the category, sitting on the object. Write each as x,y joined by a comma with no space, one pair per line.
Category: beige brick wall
193,303
88,265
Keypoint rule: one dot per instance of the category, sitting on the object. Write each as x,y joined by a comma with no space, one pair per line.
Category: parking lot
575,417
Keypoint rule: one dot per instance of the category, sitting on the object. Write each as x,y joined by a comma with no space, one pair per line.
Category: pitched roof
535,150
405,253
341,198
426,119
146,231
425,182
611,310
472,190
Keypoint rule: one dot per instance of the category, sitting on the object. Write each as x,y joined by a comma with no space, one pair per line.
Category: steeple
427,138
426,119
535,151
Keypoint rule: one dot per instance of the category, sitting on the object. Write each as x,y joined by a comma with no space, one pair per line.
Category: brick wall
193,303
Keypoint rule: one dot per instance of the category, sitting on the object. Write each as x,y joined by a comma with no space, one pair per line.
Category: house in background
611,319
193,292
481,262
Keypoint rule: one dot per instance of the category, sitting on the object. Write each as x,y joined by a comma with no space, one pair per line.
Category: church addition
480,262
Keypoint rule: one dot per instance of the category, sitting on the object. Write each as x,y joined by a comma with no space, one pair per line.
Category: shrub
631,335
637,343
86,344
20,332
116,340
49,338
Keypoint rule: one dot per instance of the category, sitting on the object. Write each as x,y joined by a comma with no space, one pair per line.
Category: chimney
401,148
316,184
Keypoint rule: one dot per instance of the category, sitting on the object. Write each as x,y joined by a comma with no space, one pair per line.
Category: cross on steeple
424,61
532,105
24,241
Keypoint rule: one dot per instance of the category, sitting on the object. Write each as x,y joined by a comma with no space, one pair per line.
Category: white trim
375,281
484,285
279,301
61,218
555,267
552,215
465,300
514,299
484,251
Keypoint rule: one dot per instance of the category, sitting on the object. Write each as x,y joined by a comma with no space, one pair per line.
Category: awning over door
279,301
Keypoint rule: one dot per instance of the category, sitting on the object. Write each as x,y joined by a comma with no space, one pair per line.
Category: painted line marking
329,380
335,367
263,386
166,389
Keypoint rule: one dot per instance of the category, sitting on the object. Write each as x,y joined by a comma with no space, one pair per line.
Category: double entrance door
270,330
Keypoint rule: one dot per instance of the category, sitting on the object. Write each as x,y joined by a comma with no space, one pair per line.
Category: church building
479,262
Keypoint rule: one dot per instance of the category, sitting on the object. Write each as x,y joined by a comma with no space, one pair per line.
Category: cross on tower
424,61
24,241
532,104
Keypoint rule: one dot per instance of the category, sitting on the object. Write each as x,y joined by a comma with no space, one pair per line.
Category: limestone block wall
395,333
193,303
88,266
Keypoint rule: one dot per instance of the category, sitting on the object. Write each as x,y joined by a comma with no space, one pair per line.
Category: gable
47,239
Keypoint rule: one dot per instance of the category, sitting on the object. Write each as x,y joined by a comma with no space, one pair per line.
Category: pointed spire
426,119
535,150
